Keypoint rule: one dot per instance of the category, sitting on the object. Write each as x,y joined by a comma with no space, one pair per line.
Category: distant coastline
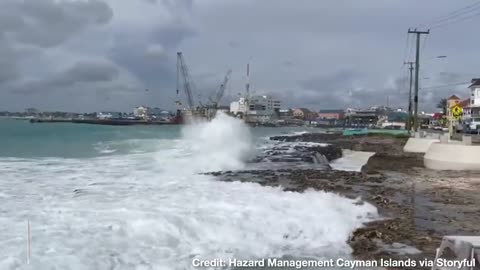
16,117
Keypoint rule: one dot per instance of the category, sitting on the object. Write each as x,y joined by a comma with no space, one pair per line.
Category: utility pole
417,69
409,122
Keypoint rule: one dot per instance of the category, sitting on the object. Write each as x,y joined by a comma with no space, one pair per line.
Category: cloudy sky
90,55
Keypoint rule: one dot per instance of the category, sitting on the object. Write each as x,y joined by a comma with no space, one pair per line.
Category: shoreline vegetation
419,206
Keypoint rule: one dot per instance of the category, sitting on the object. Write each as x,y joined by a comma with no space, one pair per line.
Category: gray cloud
47,23
91,72
449,77
342,79
8,67
82,73
234,44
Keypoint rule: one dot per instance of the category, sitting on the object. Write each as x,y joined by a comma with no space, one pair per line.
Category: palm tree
442,104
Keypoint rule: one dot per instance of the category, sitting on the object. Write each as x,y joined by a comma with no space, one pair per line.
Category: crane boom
223,86
183,73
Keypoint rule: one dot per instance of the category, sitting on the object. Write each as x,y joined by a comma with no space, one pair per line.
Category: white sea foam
300,133
152,211
351,161
104,148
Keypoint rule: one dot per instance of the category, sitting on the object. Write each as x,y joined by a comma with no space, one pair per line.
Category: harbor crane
184,79
215,99
185,83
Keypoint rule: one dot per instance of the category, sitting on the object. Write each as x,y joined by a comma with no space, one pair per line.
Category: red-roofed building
331,114
437,116
452,101
304,114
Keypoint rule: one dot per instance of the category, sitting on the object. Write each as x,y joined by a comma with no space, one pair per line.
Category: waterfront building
259,108
304,114
143,112
331,114
475,98
148,113
263,108
361,117
109,115
467,109
285,114
239,108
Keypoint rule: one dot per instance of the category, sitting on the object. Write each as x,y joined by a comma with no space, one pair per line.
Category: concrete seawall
442,156
419,145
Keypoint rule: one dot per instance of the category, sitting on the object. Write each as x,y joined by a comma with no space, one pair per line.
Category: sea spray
223,143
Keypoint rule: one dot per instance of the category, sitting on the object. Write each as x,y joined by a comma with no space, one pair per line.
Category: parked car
473,125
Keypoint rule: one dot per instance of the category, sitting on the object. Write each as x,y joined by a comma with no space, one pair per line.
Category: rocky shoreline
419,205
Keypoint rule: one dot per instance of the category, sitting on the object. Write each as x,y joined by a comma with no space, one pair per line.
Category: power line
459,15
445,85
455,21
456,13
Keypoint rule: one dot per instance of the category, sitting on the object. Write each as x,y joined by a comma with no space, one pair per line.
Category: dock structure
443,153
465,248
109,122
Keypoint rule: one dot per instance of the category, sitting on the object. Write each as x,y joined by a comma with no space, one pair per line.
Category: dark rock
393,161
367,143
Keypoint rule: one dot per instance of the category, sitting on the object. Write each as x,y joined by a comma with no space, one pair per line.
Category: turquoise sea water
20,138
29,140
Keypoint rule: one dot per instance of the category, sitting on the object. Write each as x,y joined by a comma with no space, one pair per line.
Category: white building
109,115
239,107
265,105
475,98
260,108
142,112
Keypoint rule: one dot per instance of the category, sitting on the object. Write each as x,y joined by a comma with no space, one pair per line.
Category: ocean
101,197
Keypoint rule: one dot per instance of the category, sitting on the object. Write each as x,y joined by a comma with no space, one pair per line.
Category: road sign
457,111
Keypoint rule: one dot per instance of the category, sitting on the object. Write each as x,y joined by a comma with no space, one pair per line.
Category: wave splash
154,211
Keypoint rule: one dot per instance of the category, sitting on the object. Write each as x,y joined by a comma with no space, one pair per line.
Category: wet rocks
367,143
393,161
307,153
307,137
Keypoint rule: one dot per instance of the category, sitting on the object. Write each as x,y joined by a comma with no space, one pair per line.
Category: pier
109,122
